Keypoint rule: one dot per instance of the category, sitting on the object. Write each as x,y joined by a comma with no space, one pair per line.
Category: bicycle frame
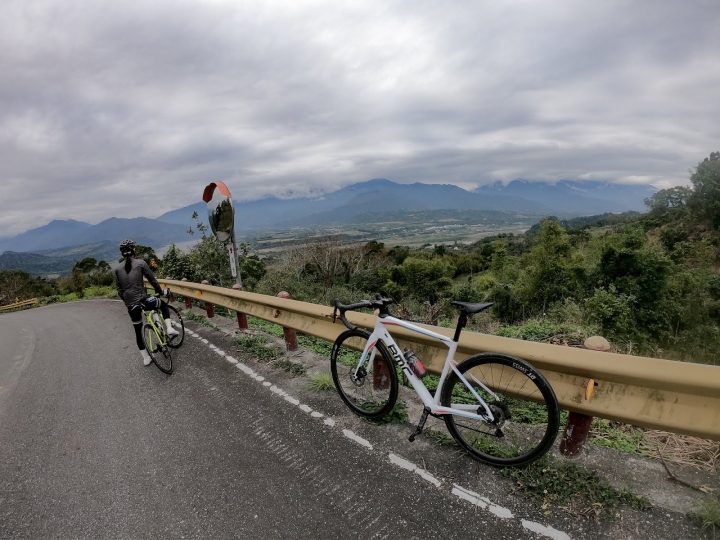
149,317
432,403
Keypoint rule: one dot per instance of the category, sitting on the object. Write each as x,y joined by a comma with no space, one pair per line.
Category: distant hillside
58,261
54,234
391,197
60,234
578,197
564,199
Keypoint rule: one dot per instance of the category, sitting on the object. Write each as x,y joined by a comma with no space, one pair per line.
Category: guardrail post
188,300
290,335
241,317
209,308
578,424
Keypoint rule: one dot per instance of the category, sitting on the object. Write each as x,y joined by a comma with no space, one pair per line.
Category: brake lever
334,315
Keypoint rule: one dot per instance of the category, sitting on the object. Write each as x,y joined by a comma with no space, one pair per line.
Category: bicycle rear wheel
158,351
524,406
372,394
176,319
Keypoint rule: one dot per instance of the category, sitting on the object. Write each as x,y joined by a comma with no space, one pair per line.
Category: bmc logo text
397,356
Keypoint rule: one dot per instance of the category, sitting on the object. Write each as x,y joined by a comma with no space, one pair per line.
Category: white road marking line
544,531
468,496
410,466
428,477
482,502
402,463
458,491
350,435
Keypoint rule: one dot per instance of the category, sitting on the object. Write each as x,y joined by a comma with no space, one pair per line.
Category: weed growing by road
267,327
439,437
568,486
398,414
294,368
200,319
321,382
316,345
710,518
255,345
618,436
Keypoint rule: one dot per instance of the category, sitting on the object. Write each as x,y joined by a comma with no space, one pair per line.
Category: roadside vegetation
709,516
647,282
555,484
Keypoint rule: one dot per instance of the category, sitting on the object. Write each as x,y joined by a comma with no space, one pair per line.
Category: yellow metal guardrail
661,394
24,303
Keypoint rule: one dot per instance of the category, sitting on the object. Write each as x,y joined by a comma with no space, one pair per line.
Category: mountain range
58,260
344,206
352,204
64,233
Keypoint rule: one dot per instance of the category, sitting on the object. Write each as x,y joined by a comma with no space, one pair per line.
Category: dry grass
682,450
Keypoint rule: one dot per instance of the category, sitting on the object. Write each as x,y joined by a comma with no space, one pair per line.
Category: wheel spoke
522,430
374,392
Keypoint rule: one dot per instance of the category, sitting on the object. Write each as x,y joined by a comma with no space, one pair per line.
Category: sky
130,108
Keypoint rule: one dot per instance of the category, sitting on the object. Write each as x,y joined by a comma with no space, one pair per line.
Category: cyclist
131,288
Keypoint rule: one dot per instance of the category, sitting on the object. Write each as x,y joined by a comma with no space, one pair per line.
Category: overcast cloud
130,108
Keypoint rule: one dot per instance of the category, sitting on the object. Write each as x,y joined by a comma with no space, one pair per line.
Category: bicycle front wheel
371,390
158,350
522,402
177,322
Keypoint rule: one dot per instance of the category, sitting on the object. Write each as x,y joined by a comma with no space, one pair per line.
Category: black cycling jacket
130,285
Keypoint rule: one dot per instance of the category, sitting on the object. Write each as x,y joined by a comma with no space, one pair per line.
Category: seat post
462,321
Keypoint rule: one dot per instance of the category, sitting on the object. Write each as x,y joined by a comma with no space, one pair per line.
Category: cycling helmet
127,248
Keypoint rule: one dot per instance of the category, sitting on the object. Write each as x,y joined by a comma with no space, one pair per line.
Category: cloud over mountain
131,108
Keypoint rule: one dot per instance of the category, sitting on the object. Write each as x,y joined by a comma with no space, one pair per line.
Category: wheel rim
151,340
178,324
525,416
367,394
163,360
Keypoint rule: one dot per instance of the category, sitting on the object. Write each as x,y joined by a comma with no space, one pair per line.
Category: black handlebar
380,303
160,295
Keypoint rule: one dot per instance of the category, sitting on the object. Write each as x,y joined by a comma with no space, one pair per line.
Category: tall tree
704,202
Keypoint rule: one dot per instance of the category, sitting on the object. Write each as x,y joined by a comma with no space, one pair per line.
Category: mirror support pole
238,279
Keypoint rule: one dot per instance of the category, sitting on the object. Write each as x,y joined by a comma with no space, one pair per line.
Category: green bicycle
155,337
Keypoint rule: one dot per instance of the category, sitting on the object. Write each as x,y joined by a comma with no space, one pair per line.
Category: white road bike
497,407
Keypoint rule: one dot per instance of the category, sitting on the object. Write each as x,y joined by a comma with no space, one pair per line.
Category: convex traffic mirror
221,212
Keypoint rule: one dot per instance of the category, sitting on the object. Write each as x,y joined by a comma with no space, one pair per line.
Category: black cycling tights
135,313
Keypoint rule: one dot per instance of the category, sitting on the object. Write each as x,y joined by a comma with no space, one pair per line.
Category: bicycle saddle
470,307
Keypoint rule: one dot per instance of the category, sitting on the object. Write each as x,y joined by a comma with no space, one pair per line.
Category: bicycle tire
159,353
375,393
527,411
174,342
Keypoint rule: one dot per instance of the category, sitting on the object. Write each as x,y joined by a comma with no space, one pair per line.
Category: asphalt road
95,445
